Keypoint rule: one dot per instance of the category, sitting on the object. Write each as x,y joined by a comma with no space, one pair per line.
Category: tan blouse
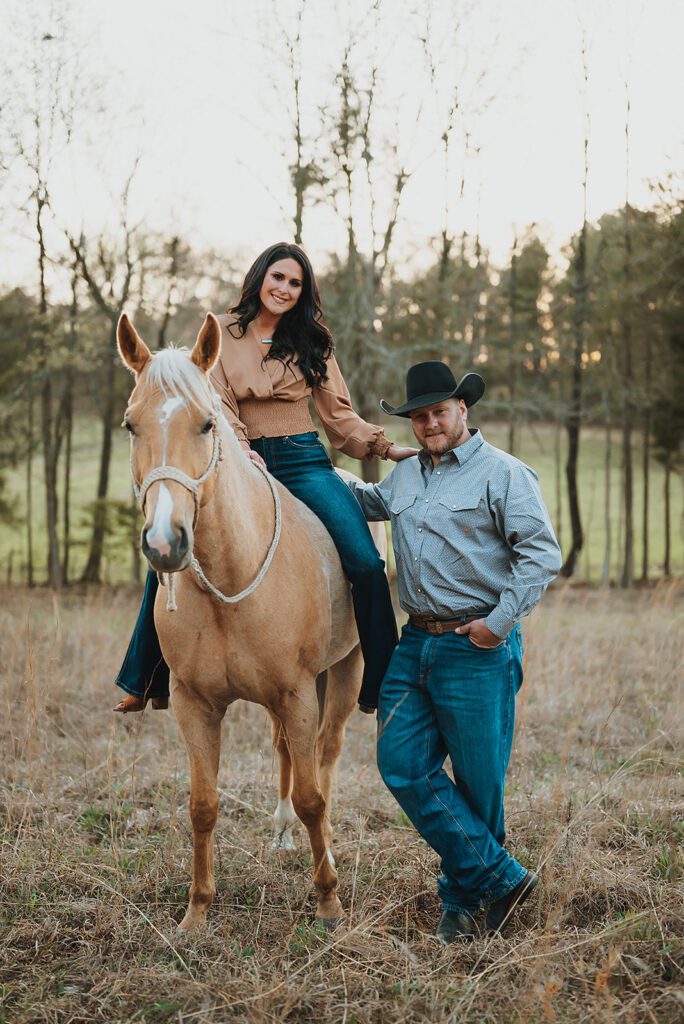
263,398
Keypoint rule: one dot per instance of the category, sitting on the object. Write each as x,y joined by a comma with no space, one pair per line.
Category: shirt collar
460,455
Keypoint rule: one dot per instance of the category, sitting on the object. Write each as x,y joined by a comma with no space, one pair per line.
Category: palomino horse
264,611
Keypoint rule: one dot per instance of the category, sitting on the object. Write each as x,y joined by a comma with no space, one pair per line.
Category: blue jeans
444,696
301,463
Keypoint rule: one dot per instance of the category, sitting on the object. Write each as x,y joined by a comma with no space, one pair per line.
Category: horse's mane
172,372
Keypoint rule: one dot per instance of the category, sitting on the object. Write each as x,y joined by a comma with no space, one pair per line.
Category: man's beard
447,442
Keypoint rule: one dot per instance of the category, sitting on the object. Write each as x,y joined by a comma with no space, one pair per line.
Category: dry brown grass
96,844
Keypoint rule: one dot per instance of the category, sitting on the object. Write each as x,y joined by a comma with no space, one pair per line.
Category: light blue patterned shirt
470,533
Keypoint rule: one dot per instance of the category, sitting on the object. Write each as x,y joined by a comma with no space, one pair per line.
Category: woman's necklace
257,334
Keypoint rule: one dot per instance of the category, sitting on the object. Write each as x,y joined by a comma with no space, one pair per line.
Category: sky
198,94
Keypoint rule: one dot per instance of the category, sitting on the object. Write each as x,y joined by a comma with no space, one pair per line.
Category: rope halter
193,485
173,473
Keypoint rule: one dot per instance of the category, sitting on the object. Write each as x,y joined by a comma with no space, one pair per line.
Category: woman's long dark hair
301,336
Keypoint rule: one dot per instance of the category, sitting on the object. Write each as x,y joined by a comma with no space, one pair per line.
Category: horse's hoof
282,844
191,922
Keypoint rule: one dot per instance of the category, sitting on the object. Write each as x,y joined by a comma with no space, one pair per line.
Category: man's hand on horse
396,454
479,634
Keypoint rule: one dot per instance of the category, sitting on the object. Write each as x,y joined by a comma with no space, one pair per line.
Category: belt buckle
438,628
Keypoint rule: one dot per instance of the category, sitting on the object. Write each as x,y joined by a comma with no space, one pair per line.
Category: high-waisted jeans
301,463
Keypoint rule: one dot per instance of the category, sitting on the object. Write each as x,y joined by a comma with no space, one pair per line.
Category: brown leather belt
439,626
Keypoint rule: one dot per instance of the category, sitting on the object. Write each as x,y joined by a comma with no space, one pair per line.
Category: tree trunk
512,352
577,537
68,427
579,323
666,490
48,433
607,551
370,470
68,436
174,249
646,461
30,576
50,458
627,577
93,568
646,466
575,412
557,461
136,560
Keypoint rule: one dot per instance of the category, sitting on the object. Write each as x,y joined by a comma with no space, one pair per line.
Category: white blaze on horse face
167,410
161,534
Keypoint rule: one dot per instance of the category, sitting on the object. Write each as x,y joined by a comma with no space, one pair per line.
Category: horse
257,606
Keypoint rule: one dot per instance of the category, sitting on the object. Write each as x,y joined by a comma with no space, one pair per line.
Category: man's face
439,428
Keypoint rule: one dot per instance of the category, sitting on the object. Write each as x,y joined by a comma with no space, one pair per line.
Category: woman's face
281,287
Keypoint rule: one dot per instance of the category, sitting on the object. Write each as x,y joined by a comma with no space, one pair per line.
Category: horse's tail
321,690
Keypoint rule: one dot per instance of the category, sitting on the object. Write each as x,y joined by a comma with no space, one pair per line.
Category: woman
276,353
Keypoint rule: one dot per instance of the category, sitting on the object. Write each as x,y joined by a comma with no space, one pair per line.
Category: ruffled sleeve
228,402
345,428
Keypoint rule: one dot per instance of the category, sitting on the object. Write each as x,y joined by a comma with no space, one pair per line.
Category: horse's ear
208,345
132,348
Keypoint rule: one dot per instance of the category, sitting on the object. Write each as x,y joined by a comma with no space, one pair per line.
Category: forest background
580,337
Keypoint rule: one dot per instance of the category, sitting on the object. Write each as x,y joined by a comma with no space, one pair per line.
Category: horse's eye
129,426
207,426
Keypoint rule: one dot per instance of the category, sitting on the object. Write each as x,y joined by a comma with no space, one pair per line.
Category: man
475,551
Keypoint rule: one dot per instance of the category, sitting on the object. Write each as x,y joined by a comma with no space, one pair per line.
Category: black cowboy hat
432,382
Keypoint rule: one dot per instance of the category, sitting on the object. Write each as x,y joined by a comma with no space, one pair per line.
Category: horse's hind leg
298,711
285,817
201,729
342,690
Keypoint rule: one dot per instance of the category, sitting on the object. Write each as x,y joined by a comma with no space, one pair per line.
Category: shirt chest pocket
463,515
402,503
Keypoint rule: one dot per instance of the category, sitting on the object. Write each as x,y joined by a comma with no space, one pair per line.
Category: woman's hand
396,454
253,456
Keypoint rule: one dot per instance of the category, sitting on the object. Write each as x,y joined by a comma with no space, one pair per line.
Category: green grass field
537,445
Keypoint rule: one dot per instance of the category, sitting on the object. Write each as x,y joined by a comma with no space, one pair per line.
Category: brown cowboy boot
132,703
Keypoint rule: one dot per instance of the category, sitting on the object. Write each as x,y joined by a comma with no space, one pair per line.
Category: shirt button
426,500
420,591
420,529
438,472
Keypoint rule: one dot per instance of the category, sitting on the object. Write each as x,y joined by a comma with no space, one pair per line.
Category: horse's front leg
298,712
200,725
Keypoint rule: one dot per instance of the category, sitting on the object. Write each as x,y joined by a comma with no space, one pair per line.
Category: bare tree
513,355
67,416
627,574
300,142
109,276
579,320
362,275
47,93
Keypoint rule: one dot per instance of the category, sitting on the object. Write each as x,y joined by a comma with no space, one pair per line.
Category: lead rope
234,598
168,580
